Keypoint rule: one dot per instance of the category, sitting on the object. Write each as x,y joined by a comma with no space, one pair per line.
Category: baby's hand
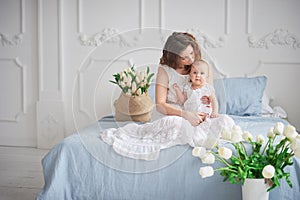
205,100
175,86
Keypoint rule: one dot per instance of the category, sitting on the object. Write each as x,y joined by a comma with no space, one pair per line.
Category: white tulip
278,128
247,136
139,92
122,74
133,87
128,70
129,79
236,135
208,158
84,37
206,171
128,92
226,134
297,152
290,132
260,139
142,84
137,80
295,144
225,152
198,151
236,128
141,76
271,133
268,171
123,84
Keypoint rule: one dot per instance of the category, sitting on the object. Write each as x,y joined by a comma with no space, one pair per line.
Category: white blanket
144,141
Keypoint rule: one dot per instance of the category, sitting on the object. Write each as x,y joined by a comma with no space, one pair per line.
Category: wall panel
57,57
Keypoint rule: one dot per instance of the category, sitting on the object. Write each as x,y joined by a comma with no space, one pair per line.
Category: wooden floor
21,175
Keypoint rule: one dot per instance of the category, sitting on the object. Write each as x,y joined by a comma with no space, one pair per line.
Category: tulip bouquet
262,159
133,83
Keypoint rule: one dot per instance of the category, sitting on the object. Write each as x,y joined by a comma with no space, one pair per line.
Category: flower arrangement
262,160
132,82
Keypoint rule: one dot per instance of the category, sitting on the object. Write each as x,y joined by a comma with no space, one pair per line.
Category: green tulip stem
226,169
263,152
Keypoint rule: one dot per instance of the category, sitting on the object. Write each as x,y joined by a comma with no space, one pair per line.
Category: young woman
180,51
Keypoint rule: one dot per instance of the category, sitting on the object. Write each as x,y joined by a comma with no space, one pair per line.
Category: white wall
68,60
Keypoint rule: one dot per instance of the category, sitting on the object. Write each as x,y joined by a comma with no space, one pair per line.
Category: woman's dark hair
175,44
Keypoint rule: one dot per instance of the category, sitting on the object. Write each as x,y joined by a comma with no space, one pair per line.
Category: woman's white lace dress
146,140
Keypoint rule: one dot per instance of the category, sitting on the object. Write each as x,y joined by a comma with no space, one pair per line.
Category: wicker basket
133,108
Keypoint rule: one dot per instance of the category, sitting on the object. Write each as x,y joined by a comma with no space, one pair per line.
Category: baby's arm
214,105
181,96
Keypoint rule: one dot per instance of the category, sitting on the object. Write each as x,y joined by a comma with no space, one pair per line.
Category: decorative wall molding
262,63
16,117
40,48
50,131
79,13
249,11
107,35
17,38
265,62
161,8
42,92
60,46
113,35
205,41
49,121
278,37
226,16
141,15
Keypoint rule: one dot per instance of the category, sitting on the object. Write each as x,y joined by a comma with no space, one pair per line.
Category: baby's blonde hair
210,74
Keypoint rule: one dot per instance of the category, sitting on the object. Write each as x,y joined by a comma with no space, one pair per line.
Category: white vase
255,189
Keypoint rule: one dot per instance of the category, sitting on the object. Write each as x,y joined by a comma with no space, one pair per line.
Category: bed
82,166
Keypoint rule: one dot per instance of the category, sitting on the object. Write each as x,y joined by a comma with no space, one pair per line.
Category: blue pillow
240,96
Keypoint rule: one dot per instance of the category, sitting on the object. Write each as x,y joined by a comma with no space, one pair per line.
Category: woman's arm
161,91
181,96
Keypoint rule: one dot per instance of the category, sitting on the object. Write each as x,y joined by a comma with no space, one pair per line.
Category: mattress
82,166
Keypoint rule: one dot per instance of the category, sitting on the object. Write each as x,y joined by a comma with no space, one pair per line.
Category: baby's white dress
194,102
146,140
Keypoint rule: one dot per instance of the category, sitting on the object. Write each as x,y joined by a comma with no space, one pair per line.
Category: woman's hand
194,118
202,116
214,115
